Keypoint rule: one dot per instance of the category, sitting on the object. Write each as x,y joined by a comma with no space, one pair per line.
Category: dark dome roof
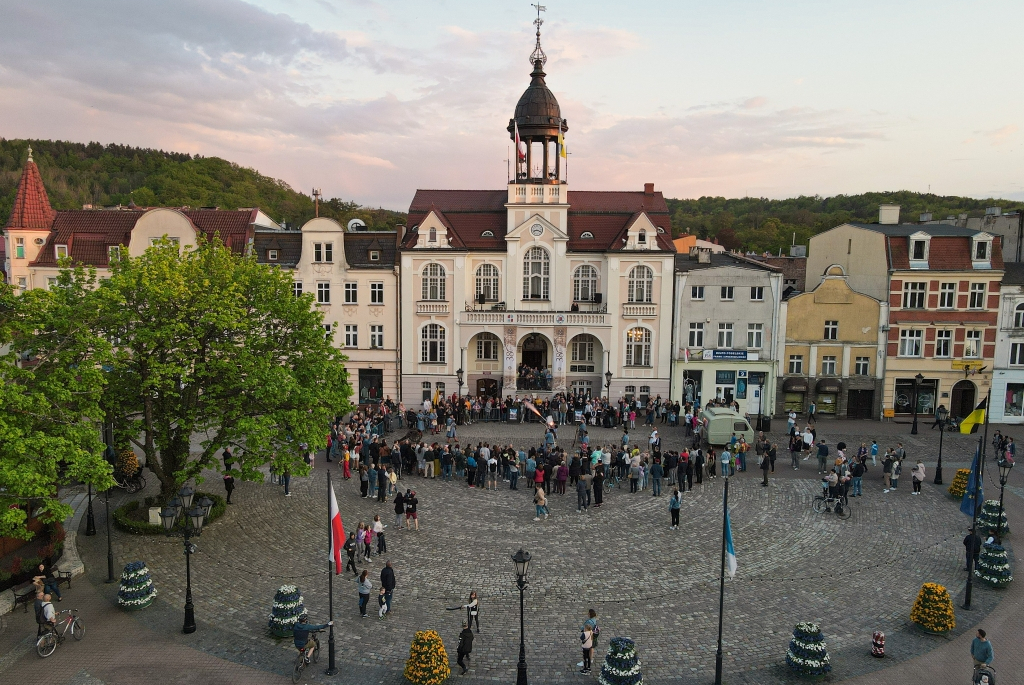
537,112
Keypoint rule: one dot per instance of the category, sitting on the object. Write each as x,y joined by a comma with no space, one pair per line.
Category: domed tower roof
537,112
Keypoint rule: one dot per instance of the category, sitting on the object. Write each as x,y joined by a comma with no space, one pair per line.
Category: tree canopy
51,382
210,344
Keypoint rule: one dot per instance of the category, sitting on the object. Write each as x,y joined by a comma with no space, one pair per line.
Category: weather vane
538,53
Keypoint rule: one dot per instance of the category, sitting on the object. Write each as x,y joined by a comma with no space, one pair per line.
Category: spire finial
30,153
538,52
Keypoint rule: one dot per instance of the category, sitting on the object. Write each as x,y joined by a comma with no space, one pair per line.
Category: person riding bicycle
301,633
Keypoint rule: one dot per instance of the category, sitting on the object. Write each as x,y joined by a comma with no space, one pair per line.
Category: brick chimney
648,189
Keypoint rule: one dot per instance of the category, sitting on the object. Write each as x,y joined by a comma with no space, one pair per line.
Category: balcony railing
634,310
432,308
535,318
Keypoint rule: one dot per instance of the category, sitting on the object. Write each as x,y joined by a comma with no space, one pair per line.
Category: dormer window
981,251
113,253
432,236
487,234
919,247
374,255
641,237
586,235
61,251
271,255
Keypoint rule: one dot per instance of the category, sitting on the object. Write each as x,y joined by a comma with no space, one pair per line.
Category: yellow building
834,357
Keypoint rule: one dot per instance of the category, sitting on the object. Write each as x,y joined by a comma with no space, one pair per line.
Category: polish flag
520,146
337,533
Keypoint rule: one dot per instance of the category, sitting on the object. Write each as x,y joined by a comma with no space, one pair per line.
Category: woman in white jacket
918,477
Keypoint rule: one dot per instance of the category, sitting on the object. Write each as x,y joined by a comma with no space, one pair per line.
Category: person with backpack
46,617
595,631
587,640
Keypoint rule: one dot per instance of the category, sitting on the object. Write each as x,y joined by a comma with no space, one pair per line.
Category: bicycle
132,483
840,506
300,659
611,482
48,641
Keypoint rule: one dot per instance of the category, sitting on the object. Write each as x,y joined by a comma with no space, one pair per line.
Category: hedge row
124,522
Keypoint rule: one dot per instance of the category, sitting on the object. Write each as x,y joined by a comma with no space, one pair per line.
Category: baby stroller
985,675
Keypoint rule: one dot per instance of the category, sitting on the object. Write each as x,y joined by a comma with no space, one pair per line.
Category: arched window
432,235
581,354
1018,316
487,282
584,283
641,284
488,347
433,282
638,347
536,274
432,344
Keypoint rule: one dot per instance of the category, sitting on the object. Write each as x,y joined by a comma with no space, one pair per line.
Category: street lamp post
194,518
941,414
608,390
110,544
1004,474
760,401
917,382
521,560
458,408
90,520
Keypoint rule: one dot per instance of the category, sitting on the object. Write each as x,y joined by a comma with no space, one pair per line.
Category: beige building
834,350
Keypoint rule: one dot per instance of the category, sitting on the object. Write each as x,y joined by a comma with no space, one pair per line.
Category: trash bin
764,423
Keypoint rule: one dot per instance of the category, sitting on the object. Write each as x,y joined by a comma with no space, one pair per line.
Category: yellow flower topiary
428,660
959,485
127,462
933,609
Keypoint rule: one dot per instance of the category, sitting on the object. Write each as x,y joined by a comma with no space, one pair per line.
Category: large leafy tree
51,383
213,347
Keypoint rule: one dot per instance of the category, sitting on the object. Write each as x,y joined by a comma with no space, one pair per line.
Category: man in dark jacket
465,646
301,632
387,581
972,549
350,549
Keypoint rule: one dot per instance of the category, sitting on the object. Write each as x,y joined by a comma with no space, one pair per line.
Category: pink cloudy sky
370,100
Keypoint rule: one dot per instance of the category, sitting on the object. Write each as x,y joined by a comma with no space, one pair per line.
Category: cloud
1000,134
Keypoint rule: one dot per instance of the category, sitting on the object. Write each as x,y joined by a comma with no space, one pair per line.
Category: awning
829,385
794,385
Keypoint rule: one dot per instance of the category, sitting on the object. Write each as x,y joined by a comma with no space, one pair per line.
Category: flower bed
127,516
808,654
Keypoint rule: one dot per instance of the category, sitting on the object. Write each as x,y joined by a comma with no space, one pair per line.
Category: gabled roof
685,262
31,205
359,245
945,252
605,214
288,244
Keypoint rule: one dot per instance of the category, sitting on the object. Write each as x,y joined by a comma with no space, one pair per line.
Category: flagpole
331,668
974,519
721,585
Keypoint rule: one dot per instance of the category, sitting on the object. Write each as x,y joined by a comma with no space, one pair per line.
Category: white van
721,423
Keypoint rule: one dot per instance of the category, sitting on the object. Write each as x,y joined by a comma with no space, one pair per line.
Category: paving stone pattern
657,586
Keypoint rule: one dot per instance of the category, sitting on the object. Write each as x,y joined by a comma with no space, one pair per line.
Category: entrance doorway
724,393
860,403
962,399
487,387
535,351
371,383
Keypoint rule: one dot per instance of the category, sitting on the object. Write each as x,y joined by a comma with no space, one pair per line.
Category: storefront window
1014,399
927,391
794,401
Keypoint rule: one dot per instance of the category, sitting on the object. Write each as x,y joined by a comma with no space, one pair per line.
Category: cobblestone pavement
647,582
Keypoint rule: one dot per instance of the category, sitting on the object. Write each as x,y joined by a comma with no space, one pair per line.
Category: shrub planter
125,520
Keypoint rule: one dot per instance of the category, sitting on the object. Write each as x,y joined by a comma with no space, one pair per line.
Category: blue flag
730,553
968,504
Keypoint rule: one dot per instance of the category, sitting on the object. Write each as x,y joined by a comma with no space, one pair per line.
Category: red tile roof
89,233
607,215
31,205
945,253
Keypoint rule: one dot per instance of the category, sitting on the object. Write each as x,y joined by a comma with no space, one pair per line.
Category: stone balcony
534,318
634,310
430,307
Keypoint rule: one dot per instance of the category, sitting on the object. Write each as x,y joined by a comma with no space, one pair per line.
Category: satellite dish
356,224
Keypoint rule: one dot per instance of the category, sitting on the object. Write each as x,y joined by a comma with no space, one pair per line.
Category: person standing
465,647
822,456
981,650
773,454
387,584
657,473
810,412
350,550
887,462
378,531
399,510
673,509
587,638
766,463
594,629
411,517
972,549
598,485
229,486
917,476
472,611
897,470
581,496
540,502
364,586
857,473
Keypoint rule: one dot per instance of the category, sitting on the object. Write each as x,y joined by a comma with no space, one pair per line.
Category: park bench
25,593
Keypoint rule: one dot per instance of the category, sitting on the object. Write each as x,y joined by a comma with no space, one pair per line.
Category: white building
1008,376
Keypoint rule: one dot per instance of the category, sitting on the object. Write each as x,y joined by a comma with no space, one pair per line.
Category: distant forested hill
760,224
105,175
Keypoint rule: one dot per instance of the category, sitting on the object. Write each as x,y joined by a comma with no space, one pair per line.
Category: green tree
213,346
51,383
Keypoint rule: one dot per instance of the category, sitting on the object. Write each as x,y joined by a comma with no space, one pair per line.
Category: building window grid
638,347
323,252
536,274
831,330
19,248
910,342
328,329
977,296
584,283
862,366
641,283
914,295
377,336
488,347
727,292
947,295
432,344
376,293
351,335
757,293
725,335
696,334
487,282
796,363
581,354
351,293
323,292
828,365
433,283
1017,354
755,334
943,344
972,345
696,292
297,288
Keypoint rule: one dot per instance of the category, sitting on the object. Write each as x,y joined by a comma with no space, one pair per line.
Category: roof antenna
316,201
538,54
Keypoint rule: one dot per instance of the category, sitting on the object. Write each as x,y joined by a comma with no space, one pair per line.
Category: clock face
536,229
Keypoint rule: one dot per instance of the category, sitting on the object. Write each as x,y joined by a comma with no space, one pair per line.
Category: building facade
501,290
726,330
1008,377
834,352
